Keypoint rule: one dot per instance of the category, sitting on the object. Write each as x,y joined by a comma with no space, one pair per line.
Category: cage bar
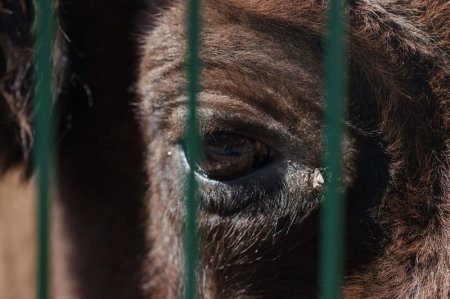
43,127
191,235
332,212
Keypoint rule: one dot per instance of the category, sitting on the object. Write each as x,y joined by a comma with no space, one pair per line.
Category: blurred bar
43,127
191,236
332,217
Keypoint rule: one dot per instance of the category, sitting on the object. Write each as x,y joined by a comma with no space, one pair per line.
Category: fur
120,93
262,72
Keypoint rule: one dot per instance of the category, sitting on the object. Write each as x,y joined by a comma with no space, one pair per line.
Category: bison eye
226,156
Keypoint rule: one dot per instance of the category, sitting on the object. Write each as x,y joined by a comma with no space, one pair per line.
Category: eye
227,156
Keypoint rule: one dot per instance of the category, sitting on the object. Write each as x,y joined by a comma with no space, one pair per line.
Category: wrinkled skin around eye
227,156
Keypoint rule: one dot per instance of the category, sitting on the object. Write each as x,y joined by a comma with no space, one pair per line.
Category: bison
120,107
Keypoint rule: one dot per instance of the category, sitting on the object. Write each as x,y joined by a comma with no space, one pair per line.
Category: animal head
122,160
261,123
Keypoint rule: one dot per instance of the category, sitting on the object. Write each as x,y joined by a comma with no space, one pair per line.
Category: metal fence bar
191,235
332,218
42,150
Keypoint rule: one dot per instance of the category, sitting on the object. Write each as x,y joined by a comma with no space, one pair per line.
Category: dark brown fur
262,69
16,52
262,77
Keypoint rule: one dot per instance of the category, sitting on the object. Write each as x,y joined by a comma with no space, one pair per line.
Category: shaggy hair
16,66
262,72
262,77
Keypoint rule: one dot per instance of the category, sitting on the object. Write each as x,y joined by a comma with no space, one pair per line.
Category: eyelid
282,144
231,115
218,112
258,127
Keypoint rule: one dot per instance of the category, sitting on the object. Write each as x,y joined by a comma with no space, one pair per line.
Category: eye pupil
227,156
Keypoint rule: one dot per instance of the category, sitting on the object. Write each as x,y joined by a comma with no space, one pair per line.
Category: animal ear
16,68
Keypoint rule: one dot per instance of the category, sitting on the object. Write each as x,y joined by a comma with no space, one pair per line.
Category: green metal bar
332,218
42,150
191,235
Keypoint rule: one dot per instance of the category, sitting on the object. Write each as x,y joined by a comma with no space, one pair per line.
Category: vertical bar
332,218
43,97
191,237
